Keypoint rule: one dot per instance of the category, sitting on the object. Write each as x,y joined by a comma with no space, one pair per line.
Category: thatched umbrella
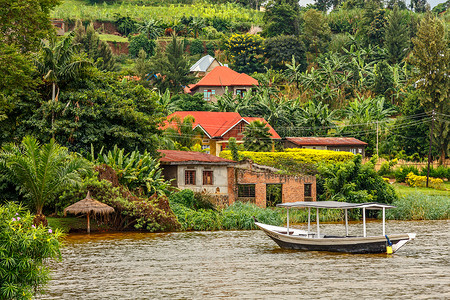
88,206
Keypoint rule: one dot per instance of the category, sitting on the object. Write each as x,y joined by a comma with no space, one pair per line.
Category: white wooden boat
290,238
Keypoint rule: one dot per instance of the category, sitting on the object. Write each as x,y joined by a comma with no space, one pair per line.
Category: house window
359,150
353,150
246,190
241,92
189,177
207,177
207,94
308,190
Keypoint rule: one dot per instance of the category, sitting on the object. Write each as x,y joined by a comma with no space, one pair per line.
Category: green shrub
196,47
418,206
24,248
440,172
401,173
141,42
386,167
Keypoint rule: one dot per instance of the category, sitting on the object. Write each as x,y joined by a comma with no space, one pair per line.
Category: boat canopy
335,205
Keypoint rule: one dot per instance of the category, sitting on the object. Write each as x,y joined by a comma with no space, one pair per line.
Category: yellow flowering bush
421,181
305,156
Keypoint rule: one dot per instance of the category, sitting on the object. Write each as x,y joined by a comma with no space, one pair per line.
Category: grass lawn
404,190
113,38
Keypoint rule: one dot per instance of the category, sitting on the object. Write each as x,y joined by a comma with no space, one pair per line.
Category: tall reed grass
417,206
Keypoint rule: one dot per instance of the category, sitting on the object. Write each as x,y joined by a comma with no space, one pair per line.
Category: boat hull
373,244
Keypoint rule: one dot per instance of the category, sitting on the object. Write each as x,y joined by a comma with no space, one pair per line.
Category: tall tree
281,18
282,49
99,51
41,171
172,66
396,36
316,32
431,57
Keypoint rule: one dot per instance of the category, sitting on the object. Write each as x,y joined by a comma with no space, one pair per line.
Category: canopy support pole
88,224
364,221
384,221
309,220
317,217
287,209
346,223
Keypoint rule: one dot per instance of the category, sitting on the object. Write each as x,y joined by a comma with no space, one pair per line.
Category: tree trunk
40,219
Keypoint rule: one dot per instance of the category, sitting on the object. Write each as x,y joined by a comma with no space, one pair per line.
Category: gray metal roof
202,64
335,205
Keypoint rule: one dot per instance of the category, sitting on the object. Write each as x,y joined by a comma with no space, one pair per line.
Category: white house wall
220,179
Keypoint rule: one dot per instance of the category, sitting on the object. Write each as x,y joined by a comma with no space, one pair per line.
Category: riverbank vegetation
24,250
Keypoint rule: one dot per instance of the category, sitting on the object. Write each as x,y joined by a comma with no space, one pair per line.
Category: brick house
218,127
228,181
349,144
219,80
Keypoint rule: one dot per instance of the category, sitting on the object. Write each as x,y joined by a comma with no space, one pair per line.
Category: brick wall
292,186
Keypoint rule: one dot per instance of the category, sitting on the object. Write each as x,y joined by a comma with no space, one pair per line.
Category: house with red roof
349,144
218,80
218,127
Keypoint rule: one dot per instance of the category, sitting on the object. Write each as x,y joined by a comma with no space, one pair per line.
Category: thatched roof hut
89,206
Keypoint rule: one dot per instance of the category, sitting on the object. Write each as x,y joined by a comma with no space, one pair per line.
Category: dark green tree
186,102
383,81
281,50
104,112
396,37
316,33
172,66
419,6
142,66
281,18
257,137
431,57
411,130
89,42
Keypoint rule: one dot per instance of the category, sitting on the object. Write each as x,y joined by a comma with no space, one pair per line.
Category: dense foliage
24,250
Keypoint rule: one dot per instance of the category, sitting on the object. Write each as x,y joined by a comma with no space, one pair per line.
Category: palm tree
58,63
257,137
41,171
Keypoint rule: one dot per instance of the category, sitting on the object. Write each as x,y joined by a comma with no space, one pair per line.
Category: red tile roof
224,76
174,156
326,141
216,124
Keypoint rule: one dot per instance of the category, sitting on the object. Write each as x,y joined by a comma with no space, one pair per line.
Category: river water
249,265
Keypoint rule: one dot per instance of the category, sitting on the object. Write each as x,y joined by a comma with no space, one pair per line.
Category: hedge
305,156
